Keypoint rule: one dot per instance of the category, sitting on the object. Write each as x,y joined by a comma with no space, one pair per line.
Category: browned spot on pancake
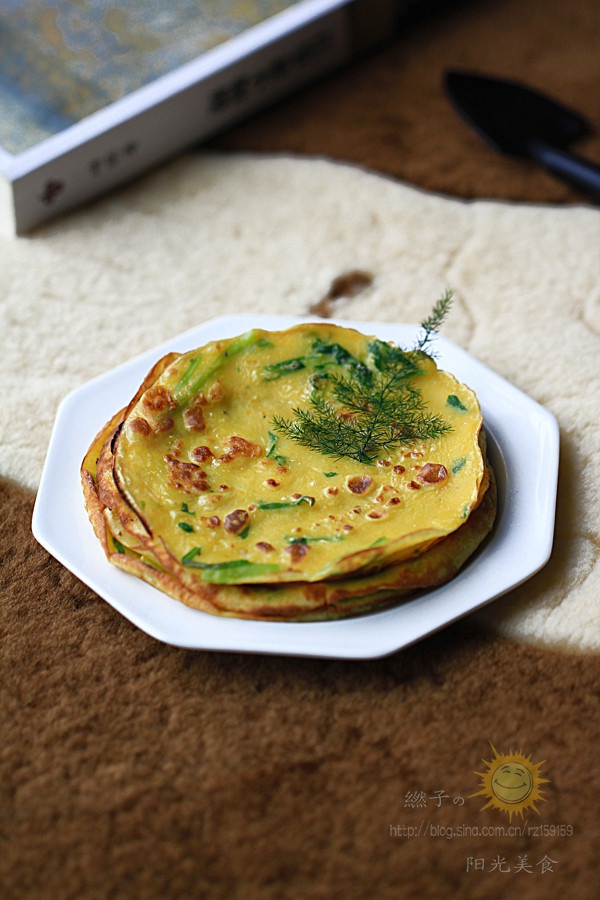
239,446
157,398
384,493
297,551
193,417
359,484
264,546
236,521
215,392
186,476
432,473
210,521
165,424
202,454
140,426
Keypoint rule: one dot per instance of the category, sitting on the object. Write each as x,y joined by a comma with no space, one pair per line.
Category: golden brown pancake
310,473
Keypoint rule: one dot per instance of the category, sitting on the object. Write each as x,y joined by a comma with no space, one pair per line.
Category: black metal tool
518,121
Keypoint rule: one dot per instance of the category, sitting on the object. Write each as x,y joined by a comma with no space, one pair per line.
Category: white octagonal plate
523,445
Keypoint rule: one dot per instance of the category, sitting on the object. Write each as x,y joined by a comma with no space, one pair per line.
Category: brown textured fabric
131,769
389,112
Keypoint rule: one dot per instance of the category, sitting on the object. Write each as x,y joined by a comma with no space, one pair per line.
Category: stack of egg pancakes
254,476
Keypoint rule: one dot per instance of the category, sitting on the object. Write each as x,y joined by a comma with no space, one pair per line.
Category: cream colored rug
213,234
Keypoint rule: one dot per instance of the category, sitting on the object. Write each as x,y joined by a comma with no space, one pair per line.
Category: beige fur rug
217,234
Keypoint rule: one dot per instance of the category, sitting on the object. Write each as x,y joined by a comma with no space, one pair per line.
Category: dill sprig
369,409
434,321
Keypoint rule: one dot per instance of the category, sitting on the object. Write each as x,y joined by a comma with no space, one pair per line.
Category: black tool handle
578,172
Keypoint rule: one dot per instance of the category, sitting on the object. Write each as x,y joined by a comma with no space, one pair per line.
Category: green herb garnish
270,450
285,504
434,321
368,408
232,572
458,464
190,556
192,383
185,526
335,353
276,370
453,400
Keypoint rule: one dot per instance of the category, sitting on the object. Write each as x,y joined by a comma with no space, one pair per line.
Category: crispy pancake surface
208,487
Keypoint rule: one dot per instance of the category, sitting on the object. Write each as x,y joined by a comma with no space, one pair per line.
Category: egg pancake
311,472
